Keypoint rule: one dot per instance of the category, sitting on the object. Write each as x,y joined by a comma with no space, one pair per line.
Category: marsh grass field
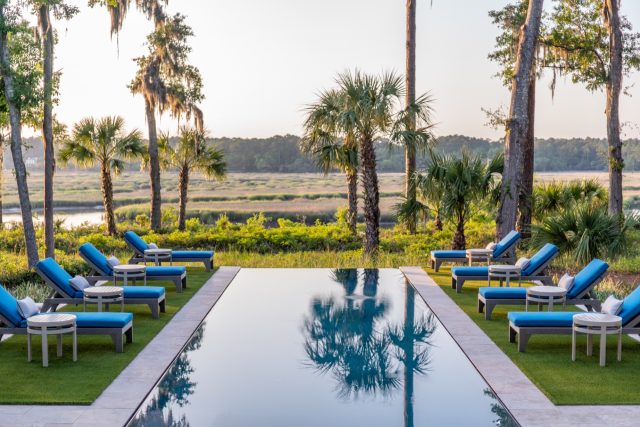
299,195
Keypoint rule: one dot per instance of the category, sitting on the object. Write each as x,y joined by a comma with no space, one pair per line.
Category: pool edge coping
523,399
119,402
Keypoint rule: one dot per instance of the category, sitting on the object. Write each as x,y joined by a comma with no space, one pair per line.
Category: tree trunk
525,204
107,199
371,197
438,221
46,36
459,240
183,188
16,145
154,169
518,123
352,198
614,85
410,150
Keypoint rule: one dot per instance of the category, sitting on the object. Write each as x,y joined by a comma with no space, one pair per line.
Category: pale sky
262,61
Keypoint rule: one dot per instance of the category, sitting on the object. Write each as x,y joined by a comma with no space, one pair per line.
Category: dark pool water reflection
320,347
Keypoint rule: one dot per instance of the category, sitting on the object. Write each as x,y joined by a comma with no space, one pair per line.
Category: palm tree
332,149
105,143
167,82
410,152
191,154
467,182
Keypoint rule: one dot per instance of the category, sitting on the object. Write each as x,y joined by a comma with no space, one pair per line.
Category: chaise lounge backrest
96,259
630,310
57,275
506,243
540,259
586,278
136,241
9,308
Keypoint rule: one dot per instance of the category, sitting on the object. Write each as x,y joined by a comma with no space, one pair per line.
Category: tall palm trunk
614,85
410,151
107,199
183,189
46,35
371,197
16,144
518,123
352,198
154,169
459,239
438,221
525,204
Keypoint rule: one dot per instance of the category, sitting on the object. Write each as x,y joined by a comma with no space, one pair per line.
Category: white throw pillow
79,283
27,307
152,246
491,246
611,305
113,261
566,282
523,263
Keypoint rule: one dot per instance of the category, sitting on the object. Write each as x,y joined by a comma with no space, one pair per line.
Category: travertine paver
523,399
116,405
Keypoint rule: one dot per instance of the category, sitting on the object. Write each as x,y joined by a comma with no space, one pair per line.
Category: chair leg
523,339
480,306
117,340
512,334
488,310
163,306
129,335
155,310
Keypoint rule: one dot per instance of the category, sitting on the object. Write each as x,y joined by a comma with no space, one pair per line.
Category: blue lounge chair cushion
507,242
136,241
191,254
166,271
542,257
471,271
503,293
630,307
543,319
449,254
98,320
9,307
143,291
96,258
586,277
57,275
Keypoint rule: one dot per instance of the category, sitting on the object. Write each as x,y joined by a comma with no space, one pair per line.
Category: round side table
504,272
51,324
103,295
128,272
479,255
549,295
597,324
157,256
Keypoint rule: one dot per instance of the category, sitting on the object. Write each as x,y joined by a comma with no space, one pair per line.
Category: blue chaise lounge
535,271
524,325
102,270
579,294
64,293
138,246
115,325
504,252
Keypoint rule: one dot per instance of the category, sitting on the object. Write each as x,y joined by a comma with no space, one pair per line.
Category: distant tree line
281,154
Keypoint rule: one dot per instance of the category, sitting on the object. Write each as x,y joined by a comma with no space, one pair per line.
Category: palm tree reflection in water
349,338
174,389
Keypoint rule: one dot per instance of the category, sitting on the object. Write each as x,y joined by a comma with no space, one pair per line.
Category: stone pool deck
525,401
118,402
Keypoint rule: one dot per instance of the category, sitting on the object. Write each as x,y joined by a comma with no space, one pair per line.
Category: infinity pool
321,347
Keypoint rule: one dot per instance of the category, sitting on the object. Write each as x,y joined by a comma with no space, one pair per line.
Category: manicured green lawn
66,382
547,361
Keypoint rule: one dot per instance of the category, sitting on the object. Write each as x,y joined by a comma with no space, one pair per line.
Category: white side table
103,295
51,324
128,272
504,272
549,295
597,324
157,256
479,255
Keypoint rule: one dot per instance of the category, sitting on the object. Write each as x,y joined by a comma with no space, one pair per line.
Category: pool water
321,347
